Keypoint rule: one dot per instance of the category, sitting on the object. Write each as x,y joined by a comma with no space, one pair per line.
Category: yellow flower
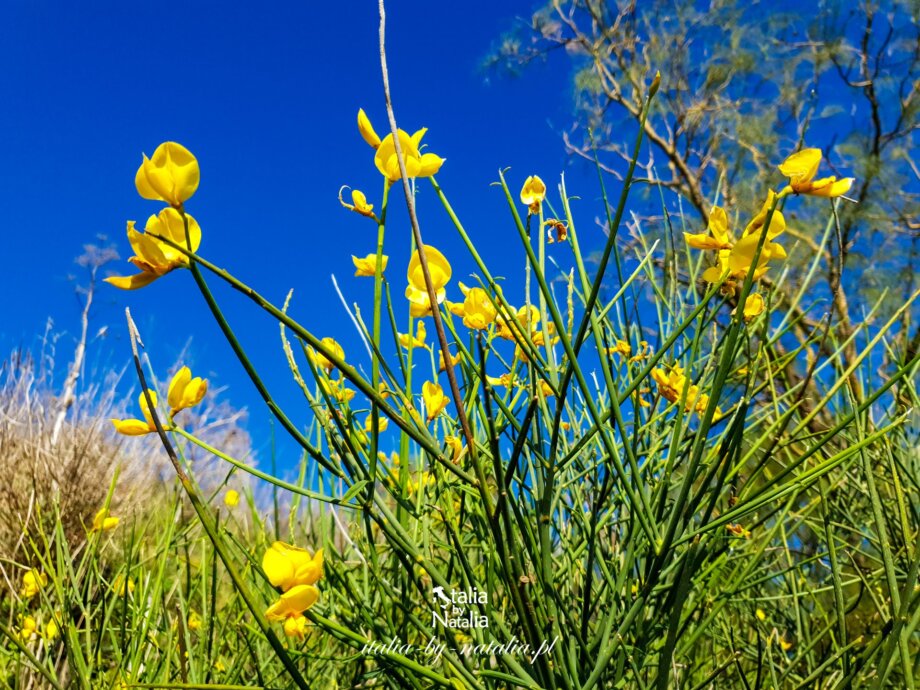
367,130
735,257
137,427
185,391
358,203
801,168
232,498
288,566
504,380
761,616
122,585
170,175
29,629
52,630
194,622
418,164
382,424
434,398
295,626
337,390
671,385
454,361
408,341
103,521
622,349
738,530
368,265
786,644
32,583
417,292
293,602
532,194
753,306
478,310
719,236
644,351
456,447
320,360
777,222
153,257
546,390
558,231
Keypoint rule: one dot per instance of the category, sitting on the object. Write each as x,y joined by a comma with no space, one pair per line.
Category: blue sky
267,101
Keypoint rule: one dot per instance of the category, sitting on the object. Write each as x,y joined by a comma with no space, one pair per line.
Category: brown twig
417,234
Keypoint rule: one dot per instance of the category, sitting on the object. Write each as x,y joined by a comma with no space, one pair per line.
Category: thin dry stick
417,233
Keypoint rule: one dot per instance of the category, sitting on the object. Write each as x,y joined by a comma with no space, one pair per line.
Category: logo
459,608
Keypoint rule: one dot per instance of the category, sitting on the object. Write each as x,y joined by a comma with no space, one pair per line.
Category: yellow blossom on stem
153,257
103,522
194,622
418,164
232,498
738,530
546,390
417,293
777,221
382,423
367,267
185,391
122,585
622,349
296,626
52,630
337,390
29,629
719,235
32,583
171,174
671,385
533,193
408,341
367,130
504,380
456,447
801,168
287,566
293,603
434,398
358,203
454,361
478,310
320,360
138,427
753,306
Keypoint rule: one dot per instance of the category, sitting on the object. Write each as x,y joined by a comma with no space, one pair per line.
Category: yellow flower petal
438,267
367,130
368,265
170,175
177,387
533,193
134,282
293,602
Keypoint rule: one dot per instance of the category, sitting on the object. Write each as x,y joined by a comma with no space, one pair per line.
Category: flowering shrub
587,491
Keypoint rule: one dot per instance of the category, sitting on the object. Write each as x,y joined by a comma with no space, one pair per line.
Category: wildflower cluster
295,572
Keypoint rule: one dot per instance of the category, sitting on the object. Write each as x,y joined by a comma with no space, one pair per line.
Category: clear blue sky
267,101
